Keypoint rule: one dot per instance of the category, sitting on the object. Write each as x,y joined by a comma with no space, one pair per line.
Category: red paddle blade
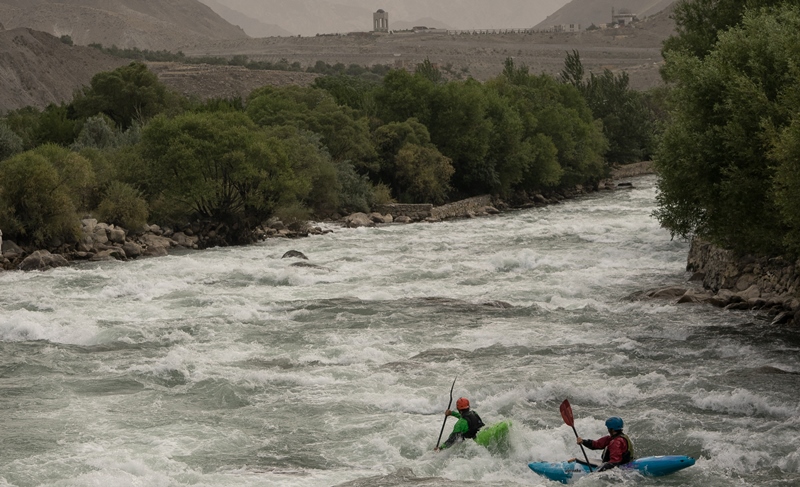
566,413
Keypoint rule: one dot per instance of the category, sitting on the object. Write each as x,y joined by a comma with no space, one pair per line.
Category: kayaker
617,447
467,426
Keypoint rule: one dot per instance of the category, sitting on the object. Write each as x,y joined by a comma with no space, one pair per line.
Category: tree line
127,150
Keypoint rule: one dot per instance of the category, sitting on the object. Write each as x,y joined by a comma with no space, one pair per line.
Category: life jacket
474,422
627,456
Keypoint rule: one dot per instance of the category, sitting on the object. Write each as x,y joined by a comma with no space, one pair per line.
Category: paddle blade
566,413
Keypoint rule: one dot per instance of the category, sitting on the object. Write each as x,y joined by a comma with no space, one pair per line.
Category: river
232,367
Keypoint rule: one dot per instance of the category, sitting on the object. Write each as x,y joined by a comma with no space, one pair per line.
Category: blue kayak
569,472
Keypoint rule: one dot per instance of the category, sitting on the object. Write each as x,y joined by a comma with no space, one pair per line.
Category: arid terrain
635,49
37,69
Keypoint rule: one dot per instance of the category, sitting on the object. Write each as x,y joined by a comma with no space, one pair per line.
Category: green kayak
494,435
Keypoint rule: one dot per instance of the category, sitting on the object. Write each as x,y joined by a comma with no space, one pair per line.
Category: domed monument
380,20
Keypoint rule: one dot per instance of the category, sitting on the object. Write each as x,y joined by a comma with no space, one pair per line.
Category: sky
310,17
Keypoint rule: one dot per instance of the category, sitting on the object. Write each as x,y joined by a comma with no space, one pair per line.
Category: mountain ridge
597,12
166,24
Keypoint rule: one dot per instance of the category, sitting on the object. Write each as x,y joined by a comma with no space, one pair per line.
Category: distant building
567,28
380,21
623,17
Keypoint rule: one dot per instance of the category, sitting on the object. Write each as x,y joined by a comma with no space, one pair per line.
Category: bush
124,206
35,206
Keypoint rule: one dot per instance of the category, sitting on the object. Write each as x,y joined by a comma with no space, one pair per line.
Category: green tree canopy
726,158
343,132
40,193
412,166
126,95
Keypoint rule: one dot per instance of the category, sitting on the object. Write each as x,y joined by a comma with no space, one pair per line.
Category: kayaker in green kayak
467,426
617,447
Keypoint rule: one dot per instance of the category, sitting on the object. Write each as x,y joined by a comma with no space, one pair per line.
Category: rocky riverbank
724,279
104,242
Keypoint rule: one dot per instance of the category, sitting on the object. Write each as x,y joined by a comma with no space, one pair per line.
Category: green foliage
344,134
24,122
40,192
733,120
356,93
786,154
429,71
224,168
66,40
573,72
627,120
699,22
54,126
411,165
357,193
126,95
97,133
123,205
10,142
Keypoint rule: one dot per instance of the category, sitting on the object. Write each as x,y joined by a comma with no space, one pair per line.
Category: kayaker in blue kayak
617,447
467,426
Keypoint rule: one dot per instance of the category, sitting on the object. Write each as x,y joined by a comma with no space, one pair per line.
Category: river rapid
232,367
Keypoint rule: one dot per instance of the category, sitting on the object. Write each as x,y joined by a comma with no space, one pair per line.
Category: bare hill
162,24
597,12
37,69
252,26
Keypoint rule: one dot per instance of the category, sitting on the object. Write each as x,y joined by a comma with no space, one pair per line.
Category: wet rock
132,249
42,260
296,254
667,293
357,220
10,250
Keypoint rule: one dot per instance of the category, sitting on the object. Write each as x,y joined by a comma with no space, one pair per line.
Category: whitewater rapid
233,367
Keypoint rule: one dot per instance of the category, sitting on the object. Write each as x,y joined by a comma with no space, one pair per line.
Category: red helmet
462,403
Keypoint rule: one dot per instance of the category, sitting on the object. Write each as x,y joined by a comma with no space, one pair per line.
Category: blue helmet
614,423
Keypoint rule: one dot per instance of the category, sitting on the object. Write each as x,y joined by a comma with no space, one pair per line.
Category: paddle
448,407
566,415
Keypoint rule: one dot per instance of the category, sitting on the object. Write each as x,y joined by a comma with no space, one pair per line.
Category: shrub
35,206
123,205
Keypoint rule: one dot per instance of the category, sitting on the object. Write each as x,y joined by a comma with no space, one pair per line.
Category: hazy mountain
310,17
162,24
251,26
588,12
37,69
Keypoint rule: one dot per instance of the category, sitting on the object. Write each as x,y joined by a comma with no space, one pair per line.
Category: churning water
232,367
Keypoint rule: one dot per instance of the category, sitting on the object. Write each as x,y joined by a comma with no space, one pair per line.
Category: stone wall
723,269
461,208
415,212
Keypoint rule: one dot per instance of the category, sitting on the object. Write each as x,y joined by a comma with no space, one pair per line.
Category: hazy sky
310,17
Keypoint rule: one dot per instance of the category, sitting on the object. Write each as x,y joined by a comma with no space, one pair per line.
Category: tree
128,94
411,165
343,132
40,192
732,124
699,22
223,168
627,120
10,142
